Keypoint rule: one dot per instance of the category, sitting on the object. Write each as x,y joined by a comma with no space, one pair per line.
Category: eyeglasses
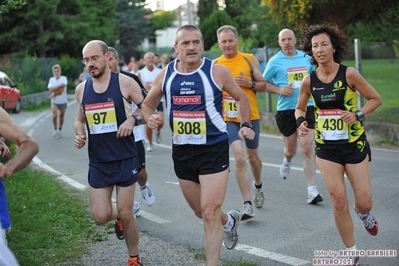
86,61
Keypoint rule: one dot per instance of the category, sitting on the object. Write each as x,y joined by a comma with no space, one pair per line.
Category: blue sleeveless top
196,93
4,215
104,113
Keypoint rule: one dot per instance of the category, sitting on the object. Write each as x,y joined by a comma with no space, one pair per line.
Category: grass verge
51,223
38,107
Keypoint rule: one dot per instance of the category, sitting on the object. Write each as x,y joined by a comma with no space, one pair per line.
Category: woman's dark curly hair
339,41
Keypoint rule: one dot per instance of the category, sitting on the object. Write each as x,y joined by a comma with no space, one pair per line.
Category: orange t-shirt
238,65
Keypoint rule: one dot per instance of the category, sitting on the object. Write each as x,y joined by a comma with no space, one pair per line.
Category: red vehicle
10,97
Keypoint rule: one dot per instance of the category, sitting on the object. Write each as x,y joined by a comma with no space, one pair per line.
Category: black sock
249,202
258,186
132,257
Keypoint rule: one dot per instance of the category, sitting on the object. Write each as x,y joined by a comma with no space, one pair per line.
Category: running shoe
247,212
259,198
55,133
119,229
134,262
369,222
314,197
231,237
148,196
136,209
149,147
158,138
59,134
285,169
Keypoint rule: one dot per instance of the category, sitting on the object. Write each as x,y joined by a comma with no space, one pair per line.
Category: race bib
189,127
296,75
331,126
101,117
229,106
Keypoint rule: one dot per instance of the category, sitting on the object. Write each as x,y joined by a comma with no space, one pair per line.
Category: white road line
60,176
154,218
271,255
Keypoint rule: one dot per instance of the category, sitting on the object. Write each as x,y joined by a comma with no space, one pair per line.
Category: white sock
311,188
285,161
230,223
351,248
361,215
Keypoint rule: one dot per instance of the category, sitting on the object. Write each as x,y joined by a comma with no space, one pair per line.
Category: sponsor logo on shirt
182,100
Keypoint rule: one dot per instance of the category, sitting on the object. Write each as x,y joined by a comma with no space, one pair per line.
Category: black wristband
246,124
253,84
137,120
300,120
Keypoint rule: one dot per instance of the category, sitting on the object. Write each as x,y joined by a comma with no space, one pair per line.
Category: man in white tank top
147,76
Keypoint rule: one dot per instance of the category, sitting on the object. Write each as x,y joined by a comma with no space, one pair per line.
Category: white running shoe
59,134
55,133
314,196
247,212
136,209
148,195
259,198
285,169
149,147
231,237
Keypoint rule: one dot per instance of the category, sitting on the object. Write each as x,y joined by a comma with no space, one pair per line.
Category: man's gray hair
227,28
113,51
56,66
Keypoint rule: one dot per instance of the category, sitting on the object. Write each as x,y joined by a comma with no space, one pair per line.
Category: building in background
186,13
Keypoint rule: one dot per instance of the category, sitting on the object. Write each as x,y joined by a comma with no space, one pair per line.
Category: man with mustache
104,111
192,86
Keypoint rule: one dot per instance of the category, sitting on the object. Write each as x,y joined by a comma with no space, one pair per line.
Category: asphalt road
286,231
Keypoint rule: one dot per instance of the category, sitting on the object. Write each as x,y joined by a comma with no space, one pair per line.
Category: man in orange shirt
245,69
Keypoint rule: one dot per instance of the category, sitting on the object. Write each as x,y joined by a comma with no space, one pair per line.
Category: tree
383,29
245,13
133,24
211,24
5,6
161,20
206,8
297,13
48,29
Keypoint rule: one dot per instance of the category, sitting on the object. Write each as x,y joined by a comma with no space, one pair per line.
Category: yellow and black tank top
329,100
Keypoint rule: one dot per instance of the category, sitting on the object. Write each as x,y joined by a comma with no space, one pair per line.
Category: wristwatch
246,124
253,84
137,120
360,116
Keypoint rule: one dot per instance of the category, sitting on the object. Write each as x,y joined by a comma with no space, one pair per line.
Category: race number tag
331,126
296,75
189,127
229,106
101,117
